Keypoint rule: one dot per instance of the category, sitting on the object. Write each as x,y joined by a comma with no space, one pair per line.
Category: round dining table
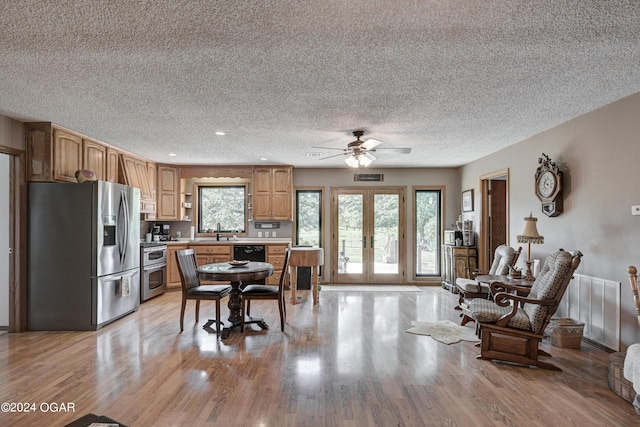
236,275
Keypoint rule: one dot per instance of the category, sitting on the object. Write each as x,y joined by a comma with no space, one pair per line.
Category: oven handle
154,267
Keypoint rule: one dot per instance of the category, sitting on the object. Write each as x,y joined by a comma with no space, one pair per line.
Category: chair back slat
187,268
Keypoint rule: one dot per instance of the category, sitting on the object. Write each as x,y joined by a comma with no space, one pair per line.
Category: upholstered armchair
512,326
504,257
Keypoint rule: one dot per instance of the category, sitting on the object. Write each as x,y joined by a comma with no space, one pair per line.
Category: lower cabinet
210,254
173,274
275,257
455,262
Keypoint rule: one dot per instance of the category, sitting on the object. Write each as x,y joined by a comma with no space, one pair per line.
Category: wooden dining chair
266,292
193,289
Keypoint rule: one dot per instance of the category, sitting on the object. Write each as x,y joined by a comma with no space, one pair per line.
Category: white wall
599,153
4,240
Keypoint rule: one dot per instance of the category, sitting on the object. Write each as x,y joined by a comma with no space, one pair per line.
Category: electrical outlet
635,210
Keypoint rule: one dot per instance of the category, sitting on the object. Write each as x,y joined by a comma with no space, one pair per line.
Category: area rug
369,288
444,331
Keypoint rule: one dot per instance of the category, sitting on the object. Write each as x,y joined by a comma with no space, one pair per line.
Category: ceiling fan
358,152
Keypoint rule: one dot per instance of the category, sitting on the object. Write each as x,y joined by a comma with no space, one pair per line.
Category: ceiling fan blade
329,148
394,150
370,144
329,157
369,155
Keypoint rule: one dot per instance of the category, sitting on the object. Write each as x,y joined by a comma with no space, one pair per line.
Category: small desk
305,257
223,271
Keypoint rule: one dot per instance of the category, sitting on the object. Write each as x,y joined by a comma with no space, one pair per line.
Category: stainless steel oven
153,265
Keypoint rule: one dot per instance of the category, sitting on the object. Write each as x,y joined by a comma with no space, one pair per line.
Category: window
428,229
309,217
222,208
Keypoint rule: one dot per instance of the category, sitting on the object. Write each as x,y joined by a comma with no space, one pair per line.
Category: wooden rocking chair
468,288
511,327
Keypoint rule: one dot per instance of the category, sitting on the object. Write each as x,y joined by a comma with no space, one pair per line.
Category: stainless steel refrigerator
84,254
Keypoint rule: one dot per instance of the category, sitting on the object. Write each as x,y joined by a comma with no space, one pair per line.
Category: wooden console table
305,257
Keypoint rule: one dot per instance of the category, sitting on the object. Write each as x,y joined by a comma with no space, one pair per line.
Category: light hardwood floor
345,362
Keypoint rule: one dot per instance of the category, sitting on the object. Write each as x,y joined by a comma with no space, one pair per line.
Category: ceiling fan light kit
359,160
358,152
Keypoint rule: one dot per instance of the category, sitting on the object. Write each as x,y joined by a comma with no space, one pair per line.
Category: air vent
314,154
376,177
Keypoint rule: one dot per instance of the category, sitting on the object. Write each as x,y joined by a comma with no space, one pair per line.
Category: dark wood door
497,215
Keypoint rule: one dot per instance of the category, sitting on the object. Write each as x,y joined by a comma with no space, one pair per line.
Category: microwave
450,236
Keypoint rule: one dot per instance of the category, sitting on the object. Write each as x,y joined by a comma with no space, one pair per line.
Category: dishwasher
250,253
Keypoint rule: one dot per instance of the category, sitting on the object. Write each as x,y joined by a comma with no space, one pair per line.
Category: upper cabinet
55,154
94,158
113,157
134,173
168,193
67,156
272,193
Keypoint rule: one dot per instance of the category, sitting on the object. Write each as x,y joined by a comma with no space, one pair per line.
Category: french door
368,235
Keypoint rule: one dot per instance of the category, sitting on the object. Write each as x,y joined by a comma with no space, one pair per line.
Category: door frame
484,252
17,239
402,235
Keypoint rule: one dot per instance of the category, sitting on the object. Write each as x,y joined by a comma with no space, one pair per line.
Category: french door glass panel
386,208
350,233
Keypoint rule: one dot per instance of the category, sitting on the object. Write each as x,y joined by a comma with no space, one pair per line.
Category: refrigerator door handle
124,237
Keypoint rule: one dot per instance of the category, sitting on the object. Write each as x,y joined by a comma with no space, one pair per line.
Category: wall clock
548,182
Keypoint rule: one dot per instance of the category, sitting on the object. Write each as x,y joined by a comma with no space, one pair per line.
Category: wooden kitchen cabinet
94,158
209,254
134,173
275,256
67,155
456,261
112,161
168,193
55,154
173,274
272,193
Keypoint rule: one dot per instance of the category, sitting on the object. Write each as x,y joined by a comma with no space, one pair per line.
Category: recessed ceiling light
220,133
172,154
263,158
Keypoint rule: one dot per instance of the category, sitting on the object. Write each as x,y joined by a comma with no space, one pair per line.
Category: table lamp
530,235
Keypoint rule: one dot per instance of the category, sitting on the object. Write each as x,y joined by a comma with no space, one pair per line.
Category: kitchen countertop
224,241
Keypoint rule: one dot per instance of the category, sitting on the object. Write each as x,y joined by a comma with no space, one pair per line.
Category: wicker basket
565,332
617,382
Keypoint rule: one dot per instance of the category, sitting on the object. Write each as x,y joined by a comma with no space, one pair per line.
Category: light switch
635,210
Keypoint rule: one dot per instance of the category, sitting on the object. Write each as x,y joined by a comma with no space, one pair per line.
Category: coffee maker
162,230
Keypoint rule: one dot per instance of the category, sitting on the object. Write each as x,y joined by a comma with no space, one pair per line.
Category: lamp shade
351,161
530,231
356,160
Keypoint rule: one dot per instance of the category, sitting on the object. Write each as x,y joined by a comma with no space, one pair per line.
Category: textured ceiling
453,80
